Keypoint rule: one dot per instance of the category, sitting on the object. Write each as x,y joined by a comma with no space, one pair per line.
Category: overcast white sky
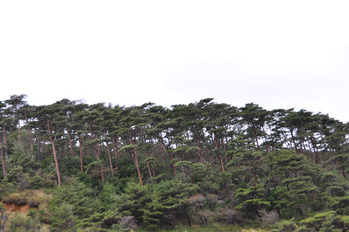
278,54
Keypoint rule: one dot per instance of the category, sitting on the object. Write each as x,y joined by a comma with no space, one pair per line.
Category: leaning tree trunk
134,156
56,161
150,167
149,170
53,140
135,159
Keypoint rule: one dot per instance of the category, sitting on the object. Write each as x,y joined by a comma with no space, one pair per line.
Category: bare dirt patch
17,208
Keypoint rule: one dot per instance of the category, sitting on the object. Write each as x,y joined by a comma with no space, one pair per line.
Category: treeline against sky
205,156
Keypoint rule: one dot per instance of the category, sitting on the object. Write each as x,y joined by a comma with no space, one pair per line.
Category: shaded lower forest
101,167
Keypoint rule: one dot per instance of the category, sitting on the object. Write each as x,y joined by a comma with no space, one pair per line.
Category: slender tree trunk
110,161
56,161
152,166
3,163
343,173
318,157
265,134
255,137
335,163
81,154
316,152
70,143
221,161
116,152
294,141
308,146
173,164
170,154
100,165
225,152
201,157
212,140
153,169
227,149
5,142
184,176
191,175
182,168
312,154
53,140
30,134
219,154
149,170
134,154
135,159
302,147
38,132
187,217
19,131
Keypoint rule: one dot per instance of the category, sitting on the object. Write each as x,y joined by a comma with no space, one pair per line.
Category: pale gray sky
278,54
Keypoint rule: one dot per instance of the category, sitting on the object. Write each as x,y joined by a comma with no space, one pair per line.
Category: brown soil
17,208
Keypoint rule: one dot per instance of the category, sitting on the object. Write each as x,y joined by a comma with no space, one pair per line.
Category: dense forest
100,167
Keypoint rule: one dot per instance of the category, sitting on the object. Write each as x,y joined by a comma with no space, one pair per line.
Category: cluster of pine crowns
201,132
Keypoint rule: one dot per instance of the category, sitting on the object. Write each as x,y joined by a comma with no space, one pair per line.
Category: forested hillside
101,167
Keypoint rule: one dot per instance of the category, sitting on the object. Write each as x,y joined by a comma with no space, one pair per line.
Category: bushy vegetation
196,167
